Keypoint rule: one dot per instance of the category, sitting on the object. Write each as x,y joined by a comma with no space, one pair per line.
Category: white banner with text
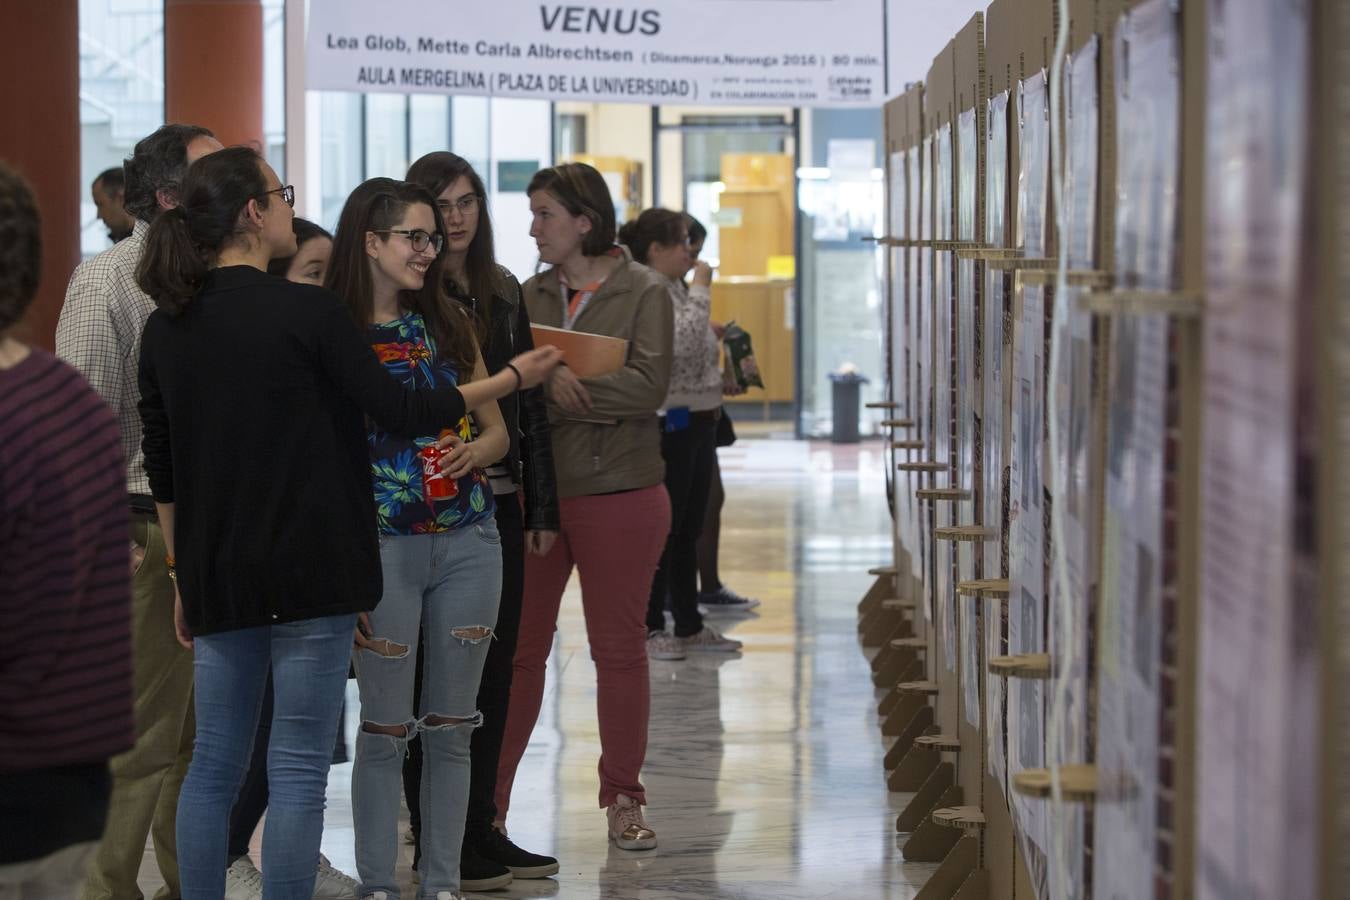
734,52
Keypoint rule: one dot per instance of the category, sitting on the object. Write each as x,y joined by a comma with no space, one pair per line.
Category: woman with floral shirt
439,544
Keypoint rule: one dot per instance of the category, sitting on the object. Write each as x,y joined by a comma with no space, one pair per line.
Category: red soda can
435,484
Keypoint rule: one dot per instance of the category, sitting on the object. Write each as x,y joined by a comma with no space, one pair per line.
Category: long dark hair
183,242
437,171
654,226
305,231
582,192
376,205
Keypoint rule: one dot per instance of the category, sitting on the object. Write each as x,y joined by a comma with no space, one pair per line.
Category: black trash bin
846,388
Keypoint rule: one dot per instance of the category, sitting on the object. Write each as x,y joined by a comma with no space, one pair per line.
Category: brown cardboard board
968,65
938,102
1083,22
1189,352
1331,88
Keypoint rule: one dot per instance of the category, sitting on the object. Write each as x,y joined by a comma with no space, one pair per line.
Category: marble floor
764,771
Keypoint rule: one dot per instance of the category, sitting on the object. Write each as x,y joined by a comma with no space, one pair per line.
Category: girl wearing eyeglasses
254,393
439,544
492,295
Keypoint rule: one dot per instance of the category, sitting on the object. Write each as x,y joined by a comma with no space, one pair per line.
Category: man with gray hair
99,333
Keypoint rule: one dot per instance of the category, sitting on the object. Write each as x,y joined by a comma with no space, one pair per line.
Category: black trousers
690,455
494,690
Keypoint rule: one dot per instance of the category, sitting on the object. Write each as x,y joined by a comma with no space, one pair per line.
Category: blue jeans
449,585
309,662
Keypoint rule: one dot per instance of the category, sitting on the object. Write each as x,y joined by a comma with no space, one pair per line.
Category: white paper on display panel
1257,788
1026,603
997,351
944,593
778,52
967,401
1148,151
1072,405
900,339
918,318
924,308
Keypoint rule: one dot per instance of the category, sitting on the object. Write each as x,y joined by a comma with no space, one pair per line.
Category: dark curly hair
157,164
20,246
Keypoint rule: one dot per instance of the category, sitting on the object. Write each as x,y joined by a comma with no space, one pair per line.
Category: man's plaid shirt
99,333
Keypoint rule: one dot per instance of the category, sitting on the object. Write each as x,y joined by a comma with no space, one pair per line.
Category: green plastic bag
739,366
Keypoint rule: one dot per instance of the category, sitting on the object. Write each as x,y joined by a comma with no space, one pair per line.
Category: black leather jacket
530,457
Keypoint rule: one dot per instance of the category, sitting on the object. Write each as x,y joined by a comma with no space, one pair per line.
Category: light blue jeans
309,662
449,585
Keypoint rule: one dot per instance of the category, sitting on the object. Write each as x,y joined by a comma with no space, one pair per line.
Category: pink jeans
615,540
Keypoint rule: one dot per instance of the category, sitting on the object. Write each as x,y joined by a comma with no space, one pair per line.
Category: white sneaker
331,884
664,646
628,829
243,881
709,641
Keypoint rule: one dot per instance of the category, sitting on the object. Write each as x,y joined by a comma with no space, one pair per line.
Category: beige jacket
617,447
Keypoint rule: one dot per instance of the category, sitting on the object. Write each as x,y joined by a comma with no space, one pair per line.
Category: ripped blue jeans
449,585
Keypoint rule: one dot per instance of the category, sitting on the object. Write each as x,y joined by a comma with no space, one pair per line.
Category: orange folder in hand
587,355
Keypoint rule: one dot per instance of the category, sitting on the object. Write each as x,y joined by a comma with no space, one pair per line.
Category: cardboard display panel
996,365
1073,395
1257,683
968,94
1028,508
1148,104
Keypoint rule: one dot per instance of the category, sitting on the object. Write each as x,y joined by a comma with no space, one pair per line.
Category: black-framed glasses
419,239
467,205
287,192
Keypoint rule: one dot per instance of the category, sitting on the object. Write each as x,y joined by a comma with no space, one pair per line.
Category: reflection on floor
764,771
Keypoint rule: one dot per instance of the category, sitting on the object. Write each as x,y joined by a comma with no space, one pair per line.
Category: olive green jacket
617,446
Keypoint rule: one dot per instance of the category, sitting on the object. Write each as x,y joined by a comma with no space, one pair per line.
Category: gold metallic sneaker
627,828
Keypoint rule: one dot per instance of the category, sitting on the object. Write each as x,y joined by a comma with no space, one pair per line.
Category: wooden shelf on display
1077,783
1179,304
1034,666
964,533
927,465
908,445
969,819
939,743
884,571
910,643
942,494
987,587
881,404
893,604
897,423
927,688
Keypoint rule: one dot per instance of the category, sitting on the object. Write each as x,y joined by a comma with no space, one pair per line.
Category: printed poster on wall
1257,761
924,309
968,619
997,361
945,590
1026,483
1072,406
1148,156
900,339
778,52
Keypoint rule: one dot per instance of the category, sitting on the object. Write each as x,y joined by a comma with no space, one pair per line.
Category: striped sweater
65,589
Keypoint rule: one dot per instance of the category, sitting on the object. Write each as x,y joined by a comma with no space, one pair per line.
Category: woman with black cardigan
254,397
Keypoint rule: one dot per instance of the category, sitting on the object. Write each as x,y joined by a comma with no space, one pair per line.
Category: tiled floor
764,772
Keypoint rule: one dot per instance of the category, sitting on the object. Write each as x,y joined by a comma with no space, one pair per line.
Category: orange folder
587,355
